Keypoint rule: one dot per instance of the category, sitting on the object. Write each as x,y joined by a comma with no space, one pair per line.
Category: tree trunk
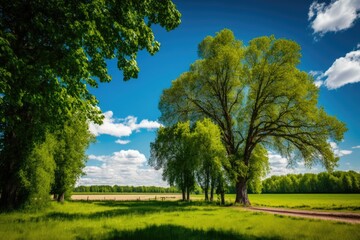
183,194
188,194
11,157
61,197
241,192
9,199
206,190
222,194
212,193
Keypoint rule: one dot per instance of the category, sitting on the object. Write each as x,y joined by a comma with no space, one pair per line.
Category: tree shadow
120,208
174,232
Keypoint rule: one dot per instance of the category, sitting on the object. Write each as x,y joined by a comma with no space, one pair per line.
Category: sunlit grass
333,202
163,220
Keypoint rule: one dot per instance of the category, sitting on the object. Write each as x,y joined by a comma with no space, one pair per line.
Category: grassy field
168,220
333,202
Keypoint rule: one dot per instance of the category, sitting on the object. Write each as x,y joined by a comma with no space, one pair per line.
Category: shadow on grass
124,208
173,232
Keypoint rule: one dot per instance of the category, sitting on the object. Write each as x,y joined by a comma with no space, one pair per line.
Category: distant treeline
336,182
126,189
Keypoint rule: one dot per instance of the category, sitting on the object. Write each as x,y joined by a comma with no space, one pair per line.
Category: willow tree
211,157
259,99
175,152
50,53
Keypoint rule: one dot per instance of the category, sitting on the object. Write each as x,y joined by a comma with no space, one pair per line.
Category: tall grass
163,220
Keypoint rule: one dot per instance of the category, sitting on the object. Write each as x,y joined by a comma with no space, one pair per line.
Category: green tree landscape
243,100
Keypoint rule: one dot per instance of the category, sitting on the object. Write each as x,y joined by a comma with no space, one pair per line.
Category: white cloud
336,16
343,71
279,166
126,167
122,142
337,151
121,127
356,147
318,77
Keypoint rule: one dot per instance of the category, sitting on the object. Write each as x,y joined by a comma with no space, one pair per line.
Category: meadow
175,220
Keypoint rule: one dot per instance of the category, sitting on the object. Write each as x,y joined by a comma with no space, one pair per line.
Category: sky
327,31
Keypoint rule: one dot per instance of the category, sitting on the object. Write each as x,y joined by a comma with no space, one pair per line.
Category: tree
50,53
37,175
70,158
212,157
174,151
257,97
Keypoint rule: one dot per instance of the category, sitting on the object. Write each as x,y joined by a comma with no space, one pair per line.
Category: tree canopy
174,151
189,155
259,99
50,53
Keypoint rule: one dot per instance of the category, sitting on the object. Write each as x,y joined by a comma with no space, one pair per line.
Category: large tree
259,99
50,52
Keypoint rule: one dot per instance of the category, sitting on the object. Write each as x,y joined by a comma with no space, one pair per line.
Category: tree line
126,189
336,182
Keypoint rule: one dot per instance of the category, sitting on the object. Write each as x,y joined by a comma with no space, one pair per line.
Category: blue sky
327,31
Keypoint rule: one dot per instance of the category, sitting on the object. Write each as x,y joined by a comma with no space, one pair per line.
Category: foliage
125,189
174,220
336,182
212,157
175,152
38,174
258,98
70,158
50,53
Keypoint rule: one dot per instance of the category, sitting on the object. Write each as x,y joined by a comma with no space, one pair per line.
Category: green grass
163,220
333,202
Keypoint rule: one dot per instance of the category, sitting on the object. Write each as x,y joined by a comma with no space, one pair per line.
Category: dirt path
335,216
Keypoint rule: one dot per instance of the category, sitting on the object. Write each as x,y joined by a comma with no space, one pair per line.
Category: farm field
166,220
126,197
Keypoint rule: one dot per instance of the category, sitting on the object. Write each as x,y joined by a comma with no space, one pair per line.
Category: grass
333,202
163,220
328,202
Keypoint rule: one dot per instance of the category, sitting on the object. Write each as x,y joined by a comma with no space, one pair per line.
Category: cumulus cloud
122,142
279,166
121,127
356,147
335,16
337,151
126,167
344,70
